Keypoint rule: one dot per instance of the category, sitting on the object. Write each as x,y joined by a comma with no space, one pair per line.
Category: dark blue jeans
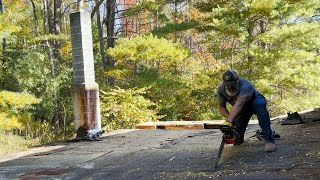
257,105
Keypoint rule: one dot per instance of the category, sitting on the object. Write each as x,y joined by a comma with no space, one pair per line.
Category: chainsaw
228,137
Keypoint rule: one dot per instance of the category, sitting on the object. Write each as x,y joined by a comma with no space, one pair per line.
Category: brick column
85,93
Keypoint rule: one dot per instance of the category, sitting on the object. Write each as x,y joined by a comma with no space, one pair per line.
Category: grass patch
13,143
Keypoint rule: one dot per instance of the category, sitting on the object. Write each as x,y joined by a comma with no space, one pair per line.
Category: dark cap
230,77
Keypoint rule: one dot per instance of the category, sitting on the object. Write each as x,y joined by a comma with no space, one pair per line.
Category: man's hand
227,123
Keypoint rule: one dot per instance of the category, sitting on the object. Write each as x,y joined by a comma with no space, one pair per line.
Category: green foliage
179,97
144,6
30,76
182,89
25,67
45,133
12,143
166,16
61,37
148,51
9,20
302,35
38,81
293,102
125,108
16,116
272,43
174,28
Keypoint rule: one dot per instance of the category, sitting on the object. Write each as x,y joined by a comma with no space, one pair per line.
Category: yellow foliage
66,51
16,100
263,7
118,73
10,17
10,102
193,13
9,122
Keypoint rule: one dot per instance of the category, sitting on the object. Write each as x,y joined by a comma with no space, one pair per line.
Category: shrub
122,108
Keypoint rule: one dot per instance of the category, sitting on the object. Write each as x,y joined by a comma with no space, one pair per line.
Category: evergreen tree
273,43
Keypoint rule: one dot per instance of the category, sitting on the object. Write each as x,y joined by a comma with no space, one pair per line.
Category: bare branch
98,3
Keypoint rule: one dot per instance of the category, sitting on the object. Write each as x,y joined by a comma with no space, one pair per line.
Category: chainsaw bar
219,153
227,138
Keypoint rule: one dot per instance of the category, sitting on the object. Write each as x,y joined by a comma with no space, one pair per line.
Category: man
245,101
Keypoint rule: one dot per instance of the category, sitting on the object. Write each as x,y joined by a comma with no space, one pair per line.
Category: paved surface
135,154
172,154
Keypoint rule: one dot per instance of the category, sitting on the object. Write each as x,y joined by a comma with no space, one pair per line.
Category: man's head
230,82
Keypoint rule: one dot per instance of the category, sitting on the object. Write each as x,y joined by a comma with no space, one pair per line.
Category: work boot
260,136
270,147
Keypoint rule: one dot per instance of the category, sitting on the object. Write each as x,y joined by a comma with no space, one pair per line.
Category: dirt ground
175,154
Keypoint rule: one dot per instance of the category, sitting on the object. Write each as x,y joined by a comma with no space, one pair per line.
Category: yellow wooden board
181,125
177,125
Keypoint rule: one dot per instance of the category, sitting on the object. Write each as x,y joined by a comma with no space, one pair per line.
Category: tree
35,17
25,38
13,110
150,52
174,80
110,22
100,33
4,39
262,39
126,108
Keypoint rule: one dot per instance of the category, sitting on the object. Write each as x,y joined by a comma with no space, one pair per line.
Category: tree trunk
1,7
249,41
4,44
249,57
96,8
55,97
157,17
110,33
103,57
52,29
35,18
64,23
57,16
57,27
56,54
50,16
44,17
262,25
110,27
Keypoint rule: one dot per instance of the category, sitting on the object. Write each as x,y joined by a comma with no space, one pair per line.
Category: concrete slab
122,154
174,154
